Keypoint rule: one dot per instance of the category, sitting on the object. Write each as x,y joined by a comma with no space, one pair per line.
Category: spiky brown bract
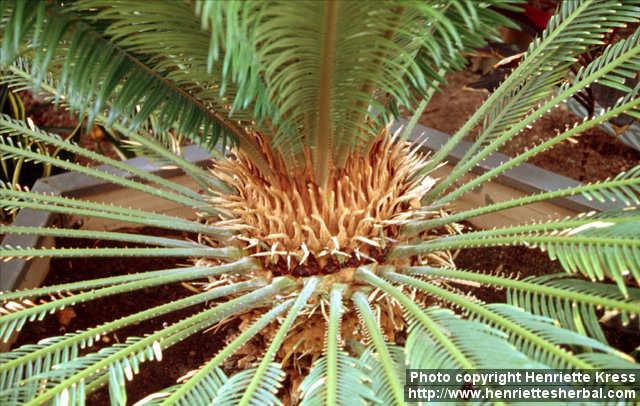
305,90
296,224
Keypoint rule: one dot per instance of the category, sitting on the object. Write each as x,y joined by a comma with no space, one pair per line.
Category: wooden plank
524,177
22,274
492,192
137,200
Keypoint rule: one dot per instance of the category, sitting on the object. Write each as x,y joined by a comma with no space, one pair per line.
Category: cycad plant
331,235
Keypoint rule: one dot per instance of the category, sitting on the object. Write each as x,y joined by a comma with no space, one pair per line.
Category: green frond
624,188
63,40
158,152
536,336
621,56
298,86
169,37
333,343
265,379
336,378
615,78
612,251
18,76
575,26
575,315
571,302
598,246
8,252
386,362
266,390
204,393
549,331
205,385
463,25
121,361
19,129
322,99
486,347
354,384
240,266
442,340
376,371
31,360
103,235
9,150
17,199
16,313
169,40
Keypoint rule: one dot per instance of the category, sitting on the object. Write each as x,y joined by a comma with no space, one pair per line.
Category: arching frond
209,383
17,199
386,361
603,249
10,150
576,26
16,314
536,336
474,23
377,371
576,315
18,129
171,40
485,346
32,360
621,56
546,328
8,252
103,235
265,392
17,75
624,187
439,339
597,246
571,302
60,39
121,361
336,378
322,98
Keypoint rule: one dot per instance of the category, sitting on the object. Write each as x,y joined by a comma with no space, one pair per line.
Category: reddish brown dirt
592,156
58,120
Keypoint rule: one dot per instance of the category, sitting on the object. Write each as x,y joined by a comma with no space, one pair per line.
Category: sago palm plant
330,237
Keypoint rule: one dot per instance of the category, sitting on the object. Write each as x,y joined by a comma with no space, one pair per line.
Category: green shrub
312,211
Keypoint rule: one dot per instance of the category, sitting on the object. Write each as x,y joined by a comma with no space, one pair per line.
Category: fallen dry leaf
65,316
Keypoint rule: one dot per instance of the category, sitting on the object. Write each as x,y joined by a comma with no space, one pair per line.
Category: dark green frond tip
99,77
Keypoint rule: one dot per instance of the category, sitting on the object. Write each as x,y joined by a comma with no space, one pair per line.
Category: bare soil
592,156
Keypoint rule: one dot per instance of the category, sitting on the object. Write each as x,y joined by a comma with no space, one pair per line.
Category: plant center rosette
293,227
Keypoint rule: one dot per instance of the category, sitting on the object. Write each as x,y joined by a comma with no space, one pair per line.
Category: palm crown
315,205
